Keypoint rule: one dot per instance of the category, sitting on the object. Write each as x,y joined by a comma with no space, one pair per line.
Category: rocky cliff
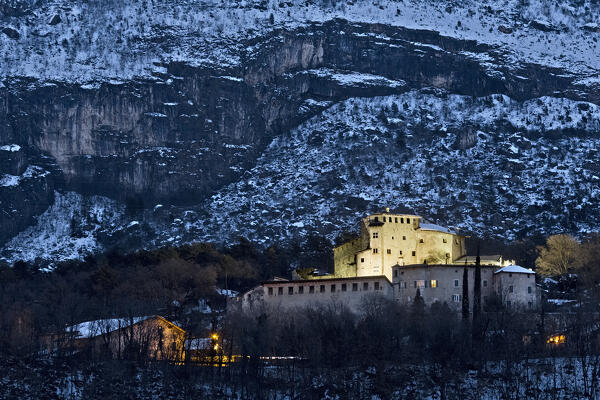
183,133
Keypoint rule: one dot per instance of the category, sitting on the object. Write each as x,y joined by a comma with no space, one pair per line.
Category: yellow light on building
214,336
556,339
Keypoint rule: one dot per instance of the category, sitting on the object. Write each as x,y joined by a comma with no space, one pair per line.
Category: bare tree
560,255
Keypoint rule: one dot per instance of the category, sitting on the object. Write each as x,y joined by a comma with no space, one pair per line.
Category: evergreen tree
477,290
465,295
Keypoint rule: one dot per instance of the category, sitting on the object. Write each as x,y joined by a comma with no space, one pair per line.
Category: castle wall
348,291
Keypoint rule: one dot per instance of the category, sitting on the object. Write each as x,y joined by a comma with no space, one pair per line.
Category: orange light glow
556,339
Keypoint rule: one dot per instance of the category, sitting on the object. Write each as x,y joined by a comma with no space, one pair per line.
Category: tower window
444,240
421,241
434,283
401,220
403,237
400,252
362,260
510,289
485,283
389,251
408,220
395,273
383,219
529,289
396,220
456,283
375,235
414,253
375,251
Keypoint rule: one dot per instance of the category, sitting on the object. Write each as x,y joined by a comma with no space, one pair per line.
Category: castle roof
433,227
515,269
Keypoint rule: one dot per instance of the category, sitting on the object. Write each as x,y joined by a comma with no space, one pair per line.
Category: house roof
90,329
316,281
515,269
486,258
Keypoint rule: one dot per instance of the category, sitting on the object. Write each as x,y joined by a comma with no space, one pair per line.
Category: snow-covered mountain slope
102,40
491,166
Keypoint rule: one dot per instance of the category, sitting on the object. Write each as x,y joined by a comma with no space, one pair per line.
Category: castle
395,256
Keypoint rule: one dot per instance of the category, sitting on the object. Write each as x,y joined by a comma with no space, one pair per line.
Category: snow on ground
67,230
100,40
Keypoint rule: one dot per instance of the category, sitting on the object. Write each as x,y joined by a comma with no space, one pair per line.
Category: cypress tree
465,295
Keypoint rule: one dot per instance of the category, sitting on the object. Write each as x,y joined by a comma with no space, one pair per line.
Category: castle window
510,289
444,240
343,287
300,289
332,288
456,283
291,290
355,287
421,241
510,274
403,284
408,220
322,288
376,285
395,273
270,291
396,220
375,235
311,289
362,260
403,237
414,253
456,298
375,251
280,291
529,289
400,252
401,220
485,283
389,251
419,284
376,219
433,283
366,286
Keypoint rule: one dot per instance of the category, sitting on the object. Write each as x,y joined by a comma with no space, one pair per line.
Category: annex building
394,256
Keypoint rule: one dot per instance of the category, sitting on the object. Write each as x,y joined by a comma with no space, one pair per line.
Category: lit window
322,288
354,287
270,291
456,298
291,290
510,289
362,260
343,287
529,289
280,290
311,289
433,283
420,284
366,286
375,235
389,251
332,288
456,283
376,285
375,251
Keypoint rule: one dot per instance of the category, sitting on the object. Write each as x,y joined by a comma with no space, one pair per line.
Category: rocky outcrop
188,132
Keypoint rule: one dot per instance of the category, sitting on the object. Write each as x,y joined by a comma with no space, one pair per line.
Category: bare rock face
181,136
